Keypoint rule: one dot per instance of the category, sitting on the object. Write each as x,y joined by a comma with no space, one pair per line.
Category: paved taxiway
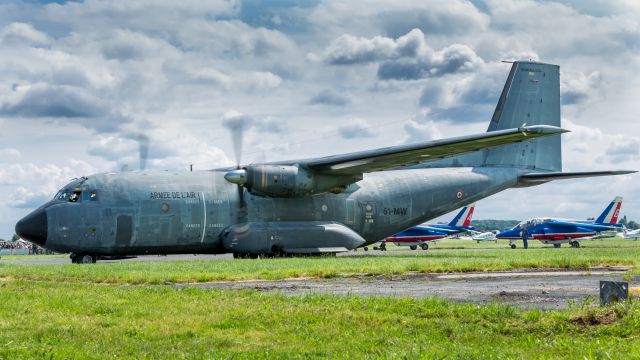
546,290
536,289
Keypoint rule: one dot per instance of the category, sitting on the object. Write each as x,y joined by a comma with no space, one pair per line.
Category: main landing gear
424,246
556,245
574,244
83,258
413,247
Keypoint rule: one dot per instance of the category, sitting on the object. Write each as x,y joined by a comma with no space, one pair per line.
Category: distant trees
488,225
630,224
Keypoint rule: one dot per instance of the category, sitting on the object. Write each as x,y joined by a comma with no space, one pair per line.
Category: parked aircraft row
547,230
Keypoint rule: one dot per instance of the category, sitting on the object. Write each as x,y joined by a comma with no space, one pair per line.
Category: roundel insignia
459,194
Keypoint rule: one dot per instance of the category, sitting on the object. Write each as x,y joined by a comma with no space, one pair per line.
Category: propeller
143,150
238,176
143,153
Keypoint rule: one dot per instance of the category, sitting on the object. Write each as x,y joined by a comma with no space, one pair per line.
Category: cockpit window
75,196
89,195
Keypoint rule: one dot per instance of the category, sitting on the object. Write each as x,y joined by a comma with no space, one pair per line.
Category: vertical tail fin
531,95
464,216
610,215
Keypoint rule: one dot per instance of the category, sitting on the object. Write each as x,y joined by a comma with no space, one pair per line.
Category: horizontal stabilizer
542,177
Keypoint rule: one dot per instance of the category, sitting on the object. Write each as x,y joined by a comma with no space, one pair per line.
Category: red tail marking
467,221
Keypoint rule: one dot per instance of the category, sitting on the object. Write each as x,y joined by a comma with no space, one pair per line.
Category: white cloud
356,128
21,34
408,57
419,132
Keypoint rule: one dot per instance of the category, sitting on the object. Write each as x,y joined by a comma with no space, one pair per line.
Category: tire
413,247
366,248
513,246
575,244
86,259
424,246
556,245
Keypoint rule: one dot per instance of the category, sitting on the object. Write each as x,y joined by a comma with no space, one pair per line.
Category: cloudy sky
81,80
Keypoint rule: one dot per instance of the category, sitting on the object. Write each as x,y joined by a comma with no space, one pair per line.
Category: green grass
57,321
593,254
63,311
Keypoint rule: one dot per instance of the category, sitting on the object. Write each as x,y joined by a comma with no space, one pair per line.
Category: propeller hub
238,176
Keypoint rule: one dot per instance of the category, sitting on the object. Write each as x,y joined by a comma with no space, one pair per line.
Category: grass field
62,311
61,321
593,254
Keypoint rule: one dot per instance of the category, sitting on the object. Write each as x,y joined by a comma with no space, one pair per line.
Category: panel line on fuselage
204,217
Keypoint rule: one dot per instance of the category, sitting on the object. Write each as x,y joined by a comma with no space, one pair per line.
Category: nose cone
33,227
238,176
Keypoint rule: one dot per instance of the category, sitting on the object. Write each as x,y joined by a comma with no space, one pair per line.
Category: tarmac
542,290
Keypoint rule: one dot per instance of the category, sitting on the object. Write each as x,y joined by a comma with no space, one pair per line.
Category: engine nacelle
294,237
287,181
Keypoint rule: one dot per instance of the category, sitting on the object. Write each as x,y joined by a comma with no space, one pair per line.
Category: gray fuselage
168,212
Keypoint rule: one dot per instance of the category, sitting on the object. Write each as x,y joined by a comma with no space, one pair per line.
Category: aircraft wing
542,177
404,155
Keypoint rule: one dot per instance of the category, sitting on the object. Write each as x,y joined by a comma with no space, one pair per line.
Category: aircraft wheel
575,244
366,248
413,247
424,246
513,246
556,245
85,259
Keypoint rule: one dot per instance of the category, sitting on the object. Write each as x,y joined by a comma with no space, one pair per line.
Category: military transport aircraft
310,206
561,231
421,235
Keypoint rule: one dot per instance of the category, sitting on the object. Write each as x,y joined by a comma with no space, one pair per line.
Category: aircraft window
62,195
93,196
75,196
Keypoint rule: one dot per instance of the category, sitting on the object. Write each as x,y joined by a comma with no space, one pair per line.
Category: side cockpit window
76,195
89,195
62,195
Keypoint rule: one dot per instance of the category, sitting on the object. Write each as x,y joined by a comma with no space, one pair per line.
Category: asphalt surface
544,290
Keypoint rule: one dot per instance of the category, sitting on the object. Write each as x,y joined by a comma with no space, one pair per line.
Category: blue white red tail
463,219
610,214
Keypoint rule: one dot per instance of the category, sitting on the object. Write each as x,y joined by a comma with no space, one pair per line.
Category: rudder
531,95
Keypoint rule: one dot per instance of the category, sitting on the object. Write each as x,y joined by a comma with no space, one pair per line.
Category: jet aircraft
311,206
421,235
629,234
560,231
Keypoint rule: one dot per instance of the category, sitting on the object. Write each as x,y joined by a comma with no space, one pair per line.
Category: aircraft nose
33,227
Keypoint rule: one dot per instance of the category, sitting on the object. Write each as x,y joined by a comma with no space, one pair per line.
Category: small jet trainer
311,206
561,231
629,234
420,235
